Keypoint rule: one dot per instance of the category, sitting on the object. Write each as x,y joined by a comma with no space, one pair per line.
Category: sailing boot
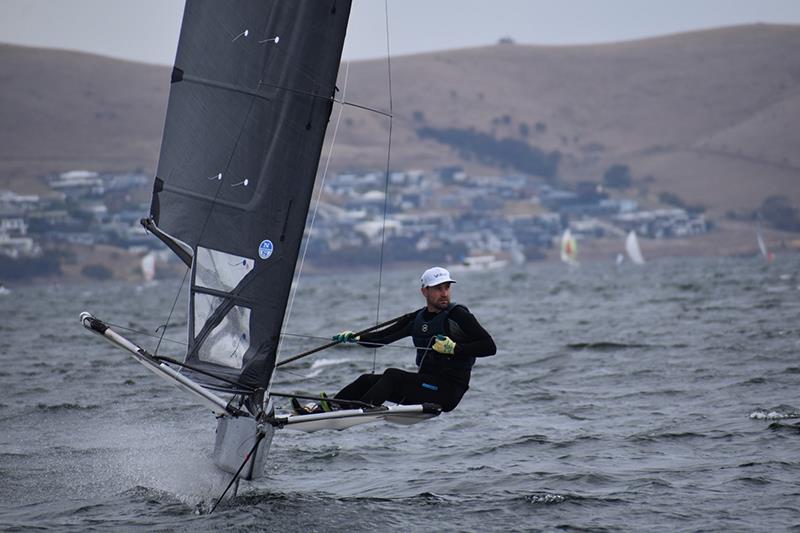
300,409
324,404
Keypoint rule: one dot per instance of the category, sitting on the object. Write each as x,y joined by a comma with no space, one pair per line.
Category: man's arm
478,342
389,334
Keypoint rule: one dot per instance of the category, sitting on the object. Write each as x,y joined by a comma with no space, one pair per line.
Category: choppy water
656,398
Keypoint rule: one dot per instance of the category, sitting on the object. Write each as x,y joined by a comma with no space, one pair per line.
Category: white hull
346,418
479,263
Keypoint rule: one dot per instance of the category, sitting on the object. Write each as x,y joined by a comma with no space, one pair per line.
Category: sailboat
569,248
148,265
252,91
479,263
762,246
632,248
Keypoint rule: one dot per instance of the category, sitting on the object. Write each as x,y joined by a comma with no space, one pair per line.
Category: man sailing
448,339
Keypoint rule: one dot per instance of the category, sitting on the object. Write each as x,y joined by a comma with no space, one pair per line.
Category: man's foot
297,407
323,406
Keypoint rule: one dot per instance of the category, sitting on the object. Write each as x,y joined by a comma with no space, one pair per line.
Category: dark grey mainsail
252,91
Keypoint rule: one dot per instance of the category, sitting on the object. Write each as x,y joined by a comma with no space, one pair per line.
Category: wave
254,498
321,363
666,435
604,346
780,412
791,428
575,441
66,407
518,442
545,498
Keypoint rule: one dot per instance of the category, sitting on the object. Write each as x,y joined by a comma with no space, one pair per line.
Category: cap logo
432,276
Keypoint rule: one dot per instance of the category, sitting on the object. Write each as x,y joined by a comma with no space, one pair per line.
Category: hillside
709,116
67,110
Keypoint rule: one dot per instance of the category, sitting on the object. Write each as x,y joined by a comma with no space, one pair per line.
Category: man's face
437,297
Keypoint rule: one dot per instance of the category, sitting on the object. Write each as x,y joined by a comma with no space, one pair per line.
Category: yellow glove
444,345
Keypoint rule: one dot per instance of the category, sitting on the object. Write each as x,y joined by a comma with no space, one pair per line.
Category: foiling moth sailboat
251,94
569,248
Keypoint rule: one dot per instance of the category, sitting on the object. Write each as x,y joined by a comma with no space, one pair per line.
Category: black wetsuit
441,379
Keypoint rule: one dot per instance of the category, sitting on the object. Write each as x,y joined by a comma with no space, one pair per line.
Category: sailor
448,339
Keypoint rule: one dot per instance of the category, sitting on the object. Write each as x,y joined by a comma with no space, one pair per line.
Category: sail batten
251,95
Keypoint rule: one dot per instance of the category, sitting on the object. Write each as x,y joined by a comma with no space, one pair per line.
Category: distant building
14,241
78,183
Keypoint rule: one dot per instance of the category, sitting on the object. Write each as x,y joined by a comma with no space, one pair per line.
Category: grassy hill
709,116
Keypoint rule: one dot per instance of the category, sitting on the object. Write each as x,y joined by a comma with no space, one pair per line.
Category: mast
251,94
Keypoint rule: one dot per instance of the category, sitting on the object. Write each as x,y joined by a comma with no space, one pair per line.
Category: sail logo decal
265,249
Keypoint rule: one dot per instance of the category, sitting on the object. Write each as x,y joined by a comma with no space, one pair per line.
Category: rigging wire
319,197
172,310
146,333
386,186
305,336
318,338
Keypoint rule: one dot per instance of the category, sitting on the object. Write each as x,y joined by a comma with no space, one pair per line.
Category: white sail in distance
632,248
569,248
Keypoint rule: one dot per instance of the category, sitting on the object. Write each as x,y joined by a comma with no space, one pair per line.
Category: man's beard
441,304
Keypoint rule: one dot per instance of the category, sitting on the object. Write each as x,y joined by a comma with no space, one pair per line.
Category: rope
386,186
169,317
145,333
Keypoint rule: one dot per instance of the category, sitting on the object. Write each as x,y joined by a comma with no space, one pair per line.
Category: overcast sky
147,30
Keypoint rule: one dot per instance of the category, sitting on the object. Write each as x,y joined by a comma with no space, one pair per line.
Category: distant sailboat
632,248
766,254
479,263
569,248
149,267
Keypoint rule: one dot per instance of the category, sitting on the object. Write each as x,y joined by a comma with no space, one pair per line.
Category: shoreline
728,239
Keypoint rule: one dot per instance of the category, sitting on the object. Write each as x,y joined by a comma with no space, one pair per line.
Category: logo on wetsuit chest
424,328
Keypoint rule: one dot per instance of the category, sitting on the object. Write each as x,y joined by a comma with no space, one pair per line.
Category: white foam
321,364
762,414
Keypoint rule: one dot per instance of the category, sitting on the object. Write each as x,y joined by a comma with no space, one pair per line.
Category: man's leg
409,388
359,387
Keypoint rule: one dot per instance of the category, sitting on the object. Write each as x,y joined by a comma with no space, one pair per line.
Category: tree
97,272
778,211
617,177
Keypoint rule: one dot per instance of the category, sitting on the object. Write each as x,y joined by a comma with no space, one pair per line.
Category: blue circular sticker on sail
265,249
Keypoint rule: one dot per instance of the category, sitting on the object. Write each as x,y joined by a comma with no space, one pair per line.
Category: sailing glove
444,345
345,336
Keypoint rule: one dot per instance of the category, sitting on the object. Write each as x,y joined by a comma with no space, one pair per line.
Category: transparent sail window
227,343
219,270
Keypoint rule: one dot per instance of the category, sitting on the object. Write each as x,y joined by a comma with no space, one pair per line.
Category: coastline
728,239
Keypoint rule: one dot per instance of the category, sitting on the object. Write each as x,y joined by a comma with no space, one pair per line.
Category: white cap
435,276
